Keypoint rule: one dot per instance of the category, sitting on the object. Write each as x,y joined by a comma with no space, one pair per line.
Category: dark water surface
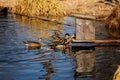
18,63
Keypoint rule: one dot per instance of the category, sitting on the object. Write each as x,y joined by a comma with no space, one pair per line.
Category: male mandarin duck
63,43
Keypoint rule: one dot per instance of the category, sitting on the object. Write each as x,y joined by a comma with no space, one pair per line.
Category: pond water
18,63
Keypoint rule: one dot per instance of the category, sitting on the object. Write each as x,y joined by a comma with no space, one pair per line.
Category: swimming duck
33,45
59,46
56,37
63,44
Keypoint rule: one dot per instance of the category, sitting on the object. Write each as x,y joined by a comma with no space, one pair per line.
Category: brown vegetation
87,7
113,20
59,7
38,7
117,74
8,3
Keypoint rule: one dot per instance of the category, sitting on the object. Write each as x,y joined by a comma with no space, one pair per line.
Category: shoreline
91,7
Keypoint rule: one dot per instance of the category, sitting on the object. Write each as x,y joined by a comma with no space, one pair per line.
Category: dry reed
87,7
58,7
38,8
117,74
113,20
8,3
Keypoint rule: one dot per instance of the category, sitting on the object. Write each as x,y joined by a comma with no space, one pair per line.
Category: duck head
67,35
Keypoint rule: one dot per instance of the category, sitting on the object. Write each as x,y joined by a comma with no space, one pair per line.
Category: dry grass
94,8
58,7
8,3
38,8
117,74
113,21
103,10
87,7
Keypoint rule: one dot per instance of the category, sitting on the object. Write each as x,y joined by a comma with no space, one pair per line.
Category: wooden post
85,29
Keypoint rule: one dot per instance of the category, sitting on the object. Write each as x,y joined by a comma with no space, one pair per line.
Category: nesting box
85,28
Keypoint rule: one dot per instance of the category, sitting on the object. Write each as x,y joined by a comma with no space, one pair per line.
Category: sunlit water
18,63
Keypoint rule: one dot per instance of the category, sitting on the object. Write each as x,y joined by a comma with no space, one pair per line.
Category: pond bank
91,7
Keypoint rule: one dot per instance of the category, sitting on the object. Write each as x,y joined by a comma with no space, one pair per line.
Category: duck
63,44
56,37
33,44
58,46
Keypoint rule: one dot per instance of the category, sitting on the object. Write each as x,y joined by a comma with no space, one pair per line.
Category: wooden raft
98,41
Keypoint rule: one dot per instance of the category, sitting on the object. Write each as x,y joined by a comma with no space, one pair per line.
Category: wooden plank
85,30
107,41
89,45
88,17
84,44
79,41
97,41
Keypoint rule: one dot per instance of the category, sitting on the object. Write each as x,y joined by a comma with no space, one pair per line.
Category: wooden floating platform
85,43
107,41
97,41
